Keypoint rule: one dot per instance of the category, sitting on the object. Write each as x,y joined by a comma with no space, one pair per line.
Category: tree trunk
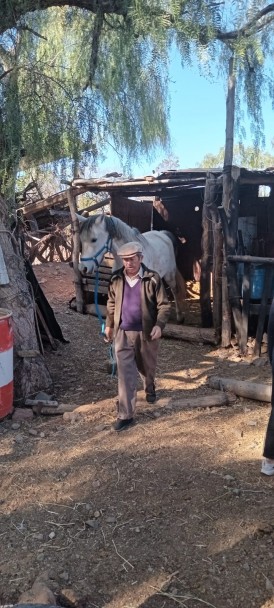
30,373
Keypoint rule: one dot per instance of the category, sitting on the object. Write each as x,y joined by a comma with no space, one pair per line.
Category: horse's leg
177,285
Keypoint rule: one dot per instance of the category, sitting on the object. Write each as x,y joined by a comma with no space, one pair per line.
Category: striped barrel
6,363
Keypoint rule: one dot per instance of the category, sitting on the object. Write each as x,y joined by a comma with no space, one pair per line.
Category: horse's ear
80,218
99,219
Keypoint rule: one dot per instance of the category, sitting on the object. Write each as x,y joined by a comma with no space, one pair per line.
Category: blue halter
106,247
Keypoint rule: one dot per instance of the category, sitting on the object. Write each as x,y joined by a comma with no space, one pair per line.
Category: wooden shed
231,251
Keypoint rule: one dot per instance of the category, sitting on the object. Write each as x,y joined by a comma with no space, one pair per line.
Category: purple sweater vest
131,314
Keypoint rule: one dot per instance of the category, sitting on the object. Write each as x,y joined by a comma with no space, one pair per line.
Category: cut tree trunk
242,388
190,334
30,373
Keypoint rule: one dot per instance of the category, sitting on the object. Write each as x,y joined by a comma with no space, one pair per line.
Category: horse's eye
93,240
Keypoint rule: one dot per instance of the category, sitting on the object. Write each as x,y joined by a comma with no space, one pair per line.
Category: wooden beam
250,259
61,198
105,185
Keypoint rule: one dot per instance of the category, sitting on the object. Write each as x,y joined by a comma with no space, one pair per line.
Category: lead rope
98,312
103,325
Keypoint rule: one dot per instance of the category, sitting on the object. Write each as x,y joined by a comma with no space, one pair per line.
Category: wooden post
226,311
226,199
217,259
246,298
76,252
229,218
206,312
247,260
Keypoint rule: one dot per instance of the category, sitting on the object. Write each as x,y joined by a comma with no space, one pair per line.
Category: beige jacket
154,301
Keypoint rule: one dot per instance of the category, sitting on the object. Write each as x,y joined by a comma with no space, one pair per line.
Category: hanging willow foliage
74,77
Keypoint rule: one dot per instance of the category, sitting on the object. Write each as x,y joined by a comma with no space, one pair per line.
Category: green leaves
72,80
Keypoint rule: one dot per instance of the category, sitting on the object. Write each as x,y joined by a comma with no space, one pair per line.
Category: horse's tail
180,286
180,281
173,239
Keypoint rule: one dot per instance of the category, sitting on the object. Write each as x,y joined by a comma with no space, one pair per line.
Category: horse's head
95,241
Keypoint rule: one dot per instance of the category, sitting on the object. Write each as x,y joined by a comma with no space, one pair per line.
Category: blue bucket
257,278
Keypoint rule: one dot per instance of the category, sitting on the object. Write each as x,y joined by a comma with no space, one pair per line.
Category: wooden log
27,353
216,400
49,411
242,388
41,403
190,334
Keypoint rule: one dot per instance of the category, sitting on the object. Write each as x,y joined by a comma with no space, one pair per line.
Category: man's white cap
130,249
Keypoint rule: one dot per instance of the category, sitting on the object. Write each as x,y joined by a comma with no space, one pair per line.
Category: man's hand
109,333
156,332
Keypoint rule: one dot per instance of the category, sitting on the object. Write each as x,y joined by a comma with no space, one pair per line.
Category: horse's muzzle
83,269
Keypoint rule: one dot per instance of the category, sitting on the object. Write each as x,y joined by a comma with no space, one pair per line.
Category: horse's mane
115,227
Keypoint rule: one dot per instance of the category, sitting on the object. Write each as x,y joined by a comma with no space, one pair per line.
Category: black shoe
122,425
151,397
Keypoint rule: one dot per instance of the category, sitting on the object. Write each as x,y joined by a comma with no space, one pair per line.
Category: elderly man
137,311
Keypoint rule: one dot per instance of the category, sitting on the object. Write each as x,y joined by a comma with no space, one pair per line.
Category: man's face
132,265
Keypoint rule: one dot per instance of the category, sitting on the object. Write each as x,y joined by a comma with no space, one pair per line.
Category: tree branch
29,29
6,58
248,29
10,18
98,26
6,73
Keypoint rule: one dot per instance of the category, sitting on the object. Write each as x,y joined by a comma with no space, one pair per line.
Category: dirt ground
172,512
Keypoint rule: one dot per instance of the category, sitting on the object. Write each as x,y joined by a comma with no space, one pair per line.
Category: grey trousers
133,355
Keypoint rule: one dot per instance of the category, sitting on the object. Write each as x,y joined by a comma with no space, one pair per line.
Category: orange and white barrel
6,363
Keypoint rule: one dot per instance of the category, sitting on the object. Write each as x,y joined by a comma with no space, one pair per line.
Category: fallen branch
242,388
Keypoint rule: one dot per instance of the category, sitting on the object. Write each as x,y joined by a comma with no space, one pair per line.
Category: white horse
101,233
